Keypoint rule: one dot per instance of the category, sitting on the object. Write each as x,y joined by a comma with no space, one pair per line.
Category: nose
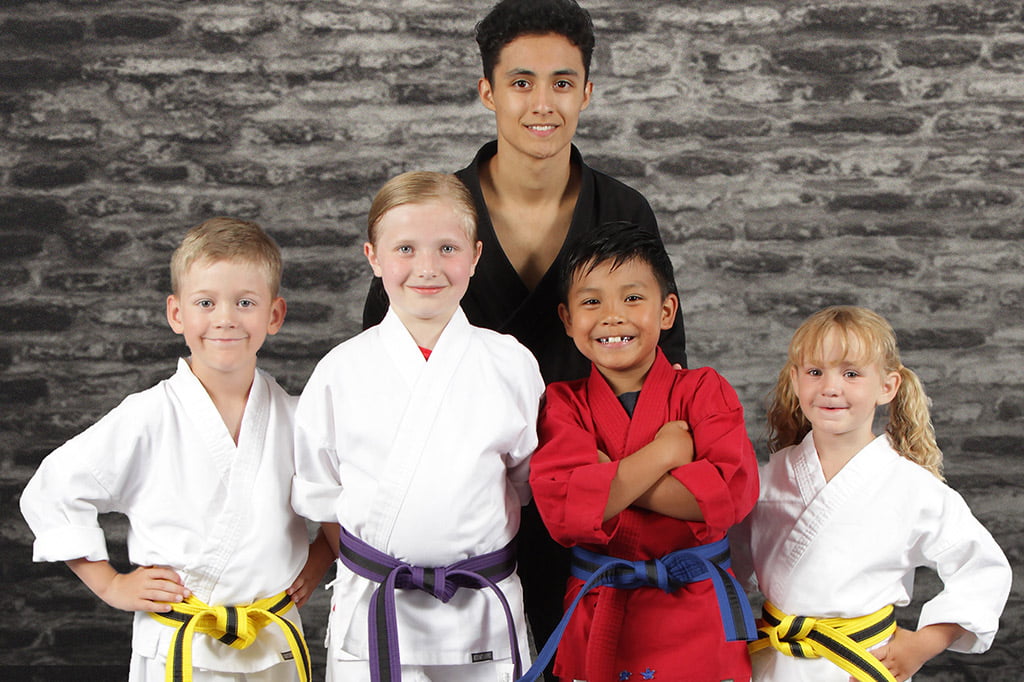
613,314
541,101
830,386
426,264
225,317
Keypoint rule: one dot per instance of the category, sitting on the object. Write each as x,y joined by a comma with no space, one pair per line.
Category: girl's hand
317,563
907,651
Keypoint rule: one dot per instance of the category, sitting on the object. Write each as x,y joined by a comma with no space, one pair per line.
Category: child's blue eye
404,249
246,303
448,248
205,303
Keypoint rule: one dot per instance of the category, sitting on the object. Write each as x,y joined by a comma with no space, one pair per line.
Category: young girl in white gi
845,517
201,464
415,437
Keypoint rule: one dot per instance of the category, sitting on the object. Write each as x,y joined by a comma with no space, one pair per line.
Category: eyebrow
624,287
520,71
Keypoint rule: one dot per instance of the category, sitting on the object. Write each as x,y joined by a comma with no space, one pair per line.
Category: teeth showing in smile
541,129
614,339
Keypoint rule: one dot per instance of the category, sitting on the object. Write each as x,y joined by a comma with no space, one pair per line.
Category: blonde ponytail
910,427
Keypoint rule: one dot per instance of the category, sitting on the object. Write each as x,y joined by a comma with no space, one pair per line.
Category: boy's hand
678,441
148,588
907,651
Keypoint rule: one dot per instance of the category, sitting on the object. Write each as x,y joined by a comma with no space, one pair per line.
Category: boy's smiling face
615,316
225,311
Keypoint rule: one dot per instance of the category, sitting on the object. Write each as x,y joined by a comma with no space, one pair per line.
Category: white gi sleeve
975,573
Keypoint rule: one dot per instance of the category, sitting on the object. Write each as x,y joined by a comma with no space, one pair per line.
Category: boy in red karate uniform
636,462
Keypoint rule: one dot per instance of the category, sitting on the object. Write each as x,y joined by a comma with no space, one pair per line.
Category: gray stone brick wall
796,153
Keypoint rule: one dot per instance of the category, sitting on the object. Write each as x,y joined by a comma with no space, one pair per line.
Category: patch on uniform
287,656
482,656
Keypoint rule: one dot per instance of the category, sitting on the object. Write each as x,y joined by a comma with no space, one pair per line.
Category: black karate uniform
498,299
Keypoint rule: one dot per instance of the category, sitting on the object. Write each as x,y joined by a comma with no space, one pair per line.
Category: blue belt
705,562
480,572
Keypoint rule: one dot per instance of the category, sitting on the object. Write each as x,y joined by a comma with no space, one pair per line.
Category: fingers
298,592
149,588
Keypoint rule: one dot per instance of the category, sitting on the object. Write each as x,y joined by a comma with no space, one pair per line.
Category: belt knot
789,632
235,626
432,580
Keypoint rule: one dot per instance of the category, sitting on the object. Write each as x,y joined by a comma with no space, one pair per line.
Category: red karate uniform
644,633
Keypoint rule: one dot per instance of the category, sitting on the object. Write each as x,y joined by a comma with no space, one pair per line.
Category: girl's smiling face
424,257
839,386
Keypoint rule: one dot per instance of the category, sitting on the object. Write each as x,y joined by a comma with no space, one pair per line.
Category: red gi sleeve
723,475
569,485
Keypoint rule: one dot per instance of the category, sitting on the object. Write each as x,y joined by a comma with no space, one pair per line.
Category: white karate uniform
849,547
427,461
216,513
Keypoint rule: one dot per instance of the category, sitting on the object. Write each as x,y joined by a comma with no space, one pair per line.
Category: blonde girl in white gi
844,517
415,436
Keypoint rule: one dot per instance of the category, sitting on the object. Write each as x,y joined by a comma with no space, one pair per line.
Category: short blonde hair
230,239
910,425
422,187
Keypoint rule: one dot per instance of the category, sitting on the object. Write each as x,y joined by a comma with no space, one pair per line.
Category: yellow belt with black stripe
844,641
236,626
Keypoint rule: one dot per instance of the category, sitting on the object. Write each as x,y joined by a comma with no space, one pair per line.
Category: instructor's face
537,92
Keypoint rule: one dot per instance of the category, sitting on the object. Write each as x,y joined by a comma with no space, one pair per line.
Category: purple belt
480,572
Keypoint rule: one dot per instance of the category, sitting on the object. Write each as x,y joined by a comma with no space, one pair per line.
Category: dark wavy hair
619,242
510,19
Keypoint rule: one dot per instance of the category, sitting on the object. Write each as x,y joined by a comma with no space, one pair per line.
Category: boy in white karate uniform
201,465
423,462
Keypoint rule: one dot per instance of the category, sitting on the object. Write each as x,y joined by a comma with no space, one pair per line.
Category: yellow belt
844,641
236,626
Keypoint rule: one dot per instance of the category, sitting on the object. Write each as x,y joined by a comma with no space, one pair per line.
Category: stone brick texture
797,154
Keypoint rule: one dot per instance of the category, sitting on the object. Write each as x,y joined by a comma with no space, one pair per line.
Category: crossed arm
643,479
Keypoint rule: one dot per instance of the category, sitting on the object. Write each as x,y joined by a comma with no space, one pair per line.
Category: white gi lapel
427,383
823,502
237,467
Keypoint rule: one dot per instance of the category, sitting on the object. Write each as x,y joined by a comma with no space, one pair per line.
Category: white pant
359,671
152,670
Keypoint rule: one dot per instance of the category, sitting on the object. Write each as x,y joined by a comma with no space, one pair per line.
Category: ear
476,258
588,90
371,257
174,314
669,308
891,383
278,309
486,92
566,317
